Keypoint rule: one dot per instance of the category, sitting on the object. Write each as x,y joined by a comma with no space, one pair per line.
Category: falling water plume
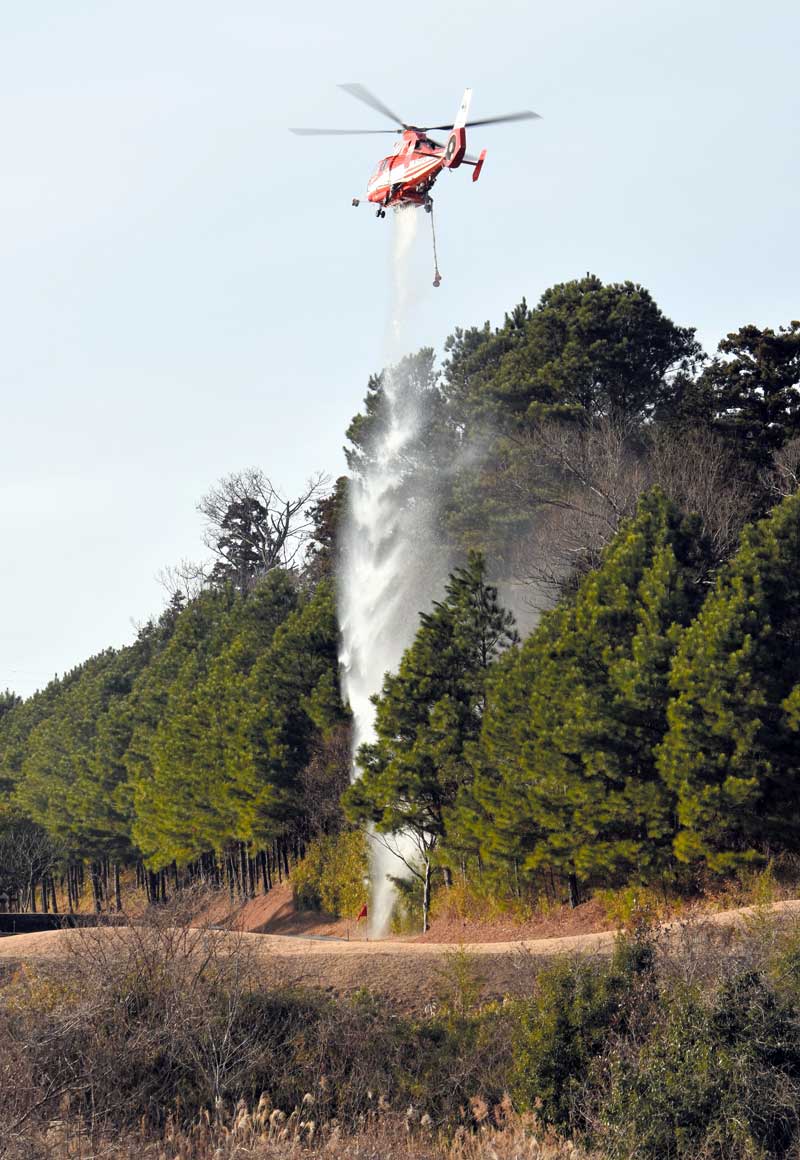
392,567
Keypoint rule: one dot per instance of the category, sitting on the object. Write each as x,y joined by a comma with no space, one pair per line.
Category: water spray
392,567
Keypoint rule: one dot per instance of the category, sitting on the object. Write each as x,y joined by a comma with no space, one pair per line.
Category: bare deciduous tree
784,478
187,578
700,474
325,778
251,527
580,482
28,855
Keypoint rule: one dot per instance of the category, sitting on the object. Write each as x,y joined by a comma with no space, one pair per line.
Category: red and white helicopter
407,175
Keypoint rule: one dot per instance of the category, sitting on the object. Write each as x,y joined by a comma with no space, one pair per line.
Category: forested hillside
642,497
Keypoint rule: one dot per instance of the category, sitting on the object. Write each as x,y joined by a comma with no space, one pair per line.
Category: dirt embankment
275,913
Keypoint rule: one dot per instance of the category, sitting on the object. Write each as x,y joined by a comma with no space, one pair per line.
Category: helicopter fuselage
407,175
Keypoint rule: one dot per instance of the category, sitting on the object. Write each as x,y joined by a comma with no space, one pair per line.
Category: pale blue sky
185,289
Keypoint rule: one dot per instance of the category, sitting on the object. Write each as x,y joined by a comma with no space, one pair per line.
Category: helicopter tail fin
463,110
476,172
457,141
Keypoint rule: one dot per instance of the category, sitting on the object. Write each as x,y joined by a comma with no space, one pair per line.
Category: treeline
210,749
647,729
586,449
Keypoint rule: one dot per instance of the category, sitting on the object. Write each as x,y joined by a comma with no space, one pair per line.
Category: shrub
565,1027
717,1078
331,875
630,907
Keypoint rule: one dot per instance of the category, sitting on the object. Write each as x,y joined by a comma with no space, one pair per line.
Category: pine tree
732,754
569,781
586,349
428,714
186,785
753,392
159,697
55,776
293,699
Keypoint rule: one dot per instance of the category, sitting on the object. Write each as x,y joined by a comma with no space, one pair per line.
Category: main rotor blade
525,115
363,94
337,132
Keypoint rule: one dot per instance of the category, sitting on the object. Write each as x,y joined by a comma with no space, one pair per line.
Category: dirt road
412,973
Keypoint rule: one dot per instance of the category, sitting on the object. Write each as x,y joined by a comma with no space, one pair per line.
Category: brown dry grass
266,1133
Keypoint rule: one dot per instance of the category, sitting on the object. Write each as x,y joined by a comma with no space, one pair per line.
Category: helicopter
406,177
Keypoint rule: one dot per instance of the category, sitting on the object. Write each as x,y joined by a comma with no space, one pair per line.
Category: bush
331,875
566,1025
631,907
718,1078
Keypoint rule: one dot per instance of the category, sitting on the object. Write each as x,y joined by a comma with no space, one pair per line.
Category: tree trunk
447,874
426,895
574,892
117,889
243,870
95,875
229,867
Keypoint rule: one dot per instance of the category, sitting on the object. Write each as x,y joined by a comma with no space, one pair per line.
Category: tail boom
457,141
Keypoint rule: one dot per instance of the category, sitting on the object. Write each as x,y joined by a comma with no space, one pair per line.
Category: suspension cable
437,277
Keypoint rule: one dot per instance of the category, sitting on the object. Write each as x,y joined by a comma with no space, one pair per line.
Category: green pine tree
427,716
732,754
752,390
568,778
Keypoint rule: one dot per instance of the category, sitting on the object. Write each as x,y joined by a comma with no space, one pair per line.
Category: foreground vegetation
260,1135
161,1039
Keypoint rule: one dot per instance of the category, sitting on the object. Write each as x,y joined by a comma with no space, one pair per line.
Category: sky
186,290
